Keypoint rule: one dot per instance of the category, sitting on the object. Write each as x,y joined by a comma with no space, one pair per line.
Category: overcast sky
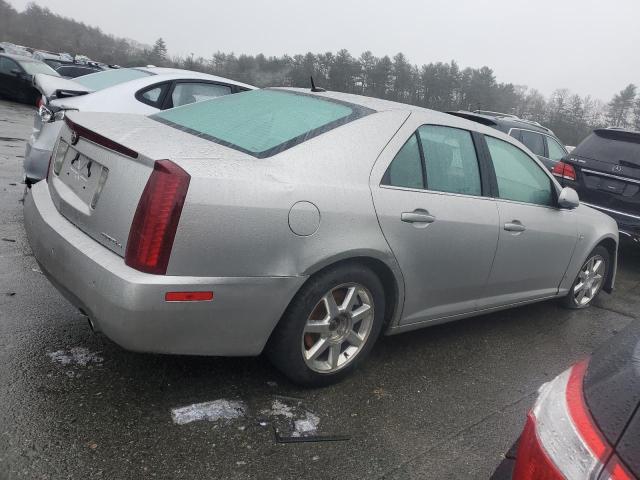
588,46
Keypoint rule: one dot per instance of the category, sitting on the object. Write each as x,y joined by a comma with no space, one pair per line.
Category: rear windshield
109,78
609,147
261,122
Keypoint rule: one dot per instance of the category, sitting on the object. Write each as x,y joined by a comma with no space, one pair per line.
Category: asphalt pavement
443,402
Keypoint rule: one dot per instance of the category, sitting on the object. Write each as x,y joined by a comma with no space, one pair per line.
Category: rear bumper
129,306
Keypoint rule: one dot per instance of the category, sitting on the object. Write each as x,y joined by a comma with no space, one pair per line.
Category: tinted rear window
610,149
262,122
109,78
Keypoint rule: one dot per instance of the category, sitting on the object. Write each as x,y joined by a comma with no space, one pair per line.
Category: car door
537,238
185,92
441,227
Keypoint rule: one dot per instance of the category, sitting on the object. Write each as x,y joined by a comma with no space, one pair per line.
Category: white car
143,90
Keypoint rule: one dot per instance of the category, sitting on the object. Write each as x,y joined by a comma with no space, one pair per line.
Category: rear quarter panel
236,217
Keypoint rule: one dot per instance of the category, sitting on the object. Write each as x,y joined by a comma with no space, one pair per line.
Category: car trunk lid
96,179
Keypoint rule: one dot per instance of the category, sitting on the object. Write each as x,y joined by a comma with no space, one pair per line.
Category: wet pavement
443,402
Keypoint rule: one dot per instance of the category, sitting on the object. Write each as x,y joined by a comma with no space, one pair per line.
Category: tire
308,327
583,297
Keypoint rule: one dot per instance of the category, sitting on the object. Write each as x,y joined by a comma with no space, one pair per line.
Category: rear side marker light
155,222
188,296
564,171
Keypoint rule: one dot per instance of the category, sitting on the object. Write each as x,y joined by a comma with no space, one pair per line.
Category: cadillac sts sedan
303,224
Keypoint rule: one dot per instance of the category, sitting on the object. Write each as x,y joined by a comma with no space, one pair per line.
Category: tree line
437,85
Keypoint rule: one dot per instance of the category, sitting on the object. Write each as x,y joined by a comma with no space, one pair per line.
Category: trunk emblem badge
616,168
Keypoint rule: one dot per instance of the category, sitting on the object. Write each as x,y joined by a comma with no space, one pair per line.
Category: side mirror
16,73
568,199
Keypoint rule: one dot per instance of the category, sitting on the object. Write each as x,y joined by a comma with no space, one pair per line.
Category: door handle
417,216
514,226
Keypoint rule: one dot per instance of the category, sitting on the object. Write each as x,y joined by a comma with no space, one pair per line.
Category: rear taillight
156,219
561,439
564,171
39,102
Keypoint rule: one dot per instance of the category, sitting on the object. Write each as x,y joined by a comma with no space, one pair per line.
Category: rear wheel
330,326
590,279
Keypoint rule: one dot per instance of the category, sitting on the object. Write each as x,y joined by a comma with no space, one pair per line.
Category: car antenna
314,88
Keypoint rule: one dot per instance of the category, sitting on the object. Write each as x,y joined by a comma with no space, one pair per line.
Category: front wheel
590,279
329,327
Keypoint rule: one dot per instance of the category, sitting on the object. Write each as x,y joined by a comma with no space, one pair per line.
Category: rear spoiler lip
615,134
57,87
80,131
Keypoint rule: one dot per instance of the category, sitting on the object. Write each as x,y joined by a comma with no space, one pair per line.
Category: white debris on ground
279,409
306,426
211,411
304,423
75,356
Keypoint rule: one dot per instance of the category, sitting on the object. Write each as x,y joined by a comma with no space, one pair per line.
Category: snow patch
211,411
76,356
306,426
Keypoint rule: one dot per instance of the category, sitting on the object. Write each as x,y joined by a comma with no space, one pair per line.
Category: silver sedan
304,224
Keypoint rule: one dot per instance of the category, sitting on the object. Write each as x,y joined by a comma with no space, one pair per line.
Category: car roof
426,115
360,100
174,73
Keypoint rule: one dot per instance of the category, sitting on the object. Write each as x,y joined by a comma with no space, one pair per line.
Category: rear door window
406,168
185,93
450,160
519,177
556,151
153,95
533,141
7,65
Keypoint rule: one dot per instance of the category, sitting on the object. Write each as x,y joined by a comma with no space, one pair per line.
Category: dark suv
540,140
605,171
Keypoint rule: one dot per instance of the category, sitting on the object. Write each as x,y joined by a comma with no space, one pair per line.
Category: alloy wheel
590,280
337,328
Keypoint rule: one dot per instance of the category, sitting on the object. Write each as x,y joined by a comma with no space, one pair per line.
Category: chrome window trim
435,192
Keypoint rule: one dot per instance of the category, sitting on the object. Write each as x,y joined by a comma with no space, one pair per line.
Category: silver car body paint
119,98
235,235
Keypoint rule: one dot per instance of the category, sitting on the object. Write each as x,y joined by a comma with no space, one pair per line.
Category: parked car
74,70
540,140
586,422
143,90
304,224
16,74
605,170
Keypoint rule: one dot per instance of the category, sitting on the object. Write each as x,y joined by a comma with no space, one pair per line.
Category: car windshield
261,122
38,67
109,78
